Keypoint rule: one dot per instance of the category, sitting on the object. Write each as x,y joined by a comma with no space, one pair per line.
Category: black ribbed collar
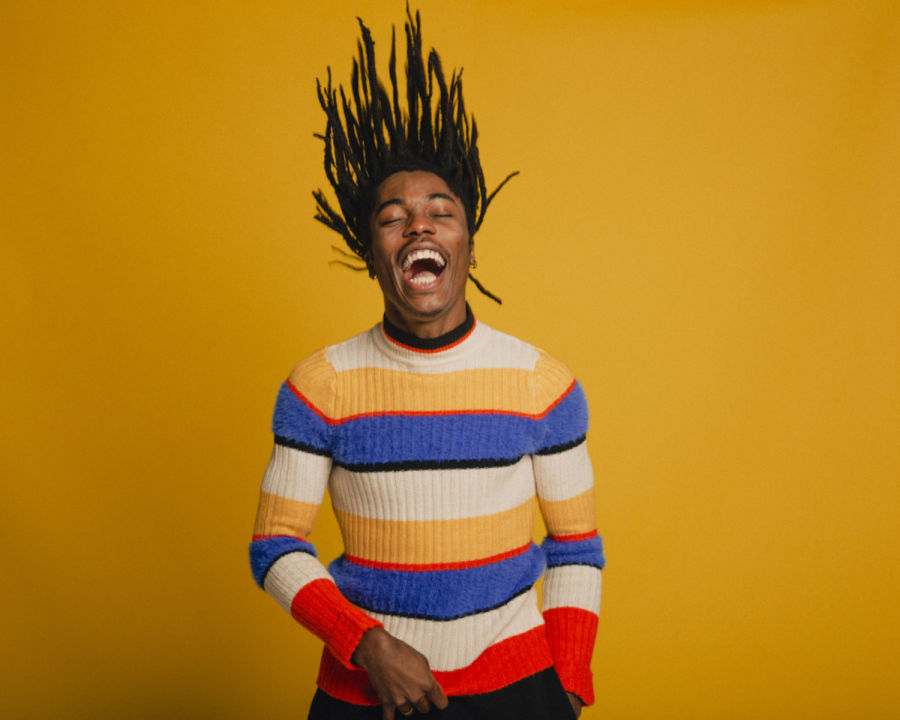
401,337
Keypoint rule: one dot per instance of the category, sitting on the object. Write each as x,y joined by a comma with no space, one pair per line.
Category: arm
283,561
574,551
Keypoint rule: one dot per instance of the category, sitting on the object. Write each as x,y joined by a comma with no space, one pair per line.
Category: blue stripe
438,594
264,553
389,439
577,552
565,423
469,438
297,425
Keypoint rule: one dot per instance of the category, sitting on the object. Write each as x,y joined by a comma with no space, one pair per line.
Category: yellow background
705,229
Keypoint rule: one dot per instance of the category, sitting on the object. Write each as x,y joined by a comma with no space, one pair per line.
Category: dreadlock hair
371,136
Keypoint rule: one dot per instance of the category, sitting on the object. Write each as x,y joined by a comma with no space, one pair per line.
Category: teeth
423,254
423,278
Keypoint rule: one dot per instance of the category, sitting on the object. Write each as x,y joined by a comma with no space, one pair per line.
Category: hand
399,674
576,703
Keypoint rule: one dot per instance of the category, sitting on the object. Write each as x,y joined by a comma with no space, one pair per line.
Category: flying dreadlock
376,138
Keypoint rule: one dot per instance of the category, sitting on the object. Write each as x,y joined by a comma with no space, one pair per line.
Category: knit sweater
433,453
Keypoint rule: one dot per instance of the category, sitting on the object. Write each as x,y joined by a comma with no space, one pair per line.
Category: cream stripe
431,494
437,541
485,347
454,644
296,474
284,516
573,586
565,474
570,517
291,572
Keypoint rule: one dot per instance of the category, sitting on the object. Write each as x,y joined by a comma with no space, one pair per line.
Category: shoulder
552,378
314,377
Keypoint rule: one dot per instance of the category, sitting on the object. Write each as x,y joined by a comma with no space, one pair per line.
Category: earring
473,263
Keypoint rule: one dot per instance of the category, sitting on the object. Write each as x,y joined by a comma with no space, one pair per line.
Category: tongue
425,267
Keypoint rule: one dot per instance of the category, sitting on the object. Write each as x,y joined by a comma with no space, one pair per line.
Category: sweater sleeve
573,549
283,561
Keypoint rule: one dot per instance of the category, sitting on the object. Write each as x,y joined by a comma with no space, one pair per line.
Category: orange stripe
437,566
574,538
426,413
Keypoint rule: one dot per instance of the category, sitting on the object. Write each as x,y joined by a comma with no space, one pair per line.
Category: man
434,435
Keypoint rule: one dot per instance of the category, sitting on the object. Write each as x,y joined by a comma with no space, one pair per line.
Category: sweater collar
429,345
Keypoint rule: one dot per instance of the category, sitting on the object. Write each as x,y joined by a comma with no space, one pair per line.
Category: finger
387,712
423,704
406,709
437,697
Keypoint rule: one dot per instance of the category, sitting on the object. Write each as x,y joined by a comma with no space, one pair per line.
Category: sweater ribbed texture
434,459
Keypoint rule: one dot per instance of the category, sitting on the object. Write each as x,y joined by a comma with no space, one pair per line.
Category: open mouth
422,267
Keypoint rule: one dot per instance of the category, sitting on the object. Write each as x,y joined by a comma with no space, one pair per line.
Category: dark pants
537,697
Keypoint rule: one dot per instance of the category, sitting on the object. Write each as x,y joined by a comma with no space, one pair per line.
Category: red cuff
571,633
320,607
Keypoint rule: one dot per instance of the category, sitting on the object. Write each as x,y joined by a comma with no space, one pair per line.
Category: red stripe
424,567
574,538
268,537
498,666
425,413
428,352
321,608
571,633
308,404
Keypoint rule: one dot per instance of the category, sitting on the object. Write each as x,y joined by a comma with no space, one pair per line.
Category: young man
434,435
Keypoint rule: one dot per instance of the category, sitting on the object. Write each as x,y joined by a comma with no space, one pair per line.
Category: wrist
370,643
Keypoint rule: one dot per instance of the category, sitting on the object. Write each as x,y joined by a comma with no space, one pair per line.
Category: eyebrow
398,201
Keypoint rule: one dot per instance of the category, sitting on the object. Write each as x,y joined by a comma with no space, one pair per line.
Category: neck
430,343
429,327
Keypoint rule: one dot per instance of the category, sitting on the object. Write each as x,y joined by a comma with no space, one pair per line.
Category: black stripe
599,565
429,464
445,619
297,445
553,449
405,338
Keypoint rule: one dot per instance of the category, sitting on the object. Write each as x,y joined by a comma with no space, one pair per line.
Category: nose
419,224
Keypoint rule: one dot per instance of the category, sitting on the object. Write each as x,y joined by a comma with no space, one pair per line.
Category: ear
472,261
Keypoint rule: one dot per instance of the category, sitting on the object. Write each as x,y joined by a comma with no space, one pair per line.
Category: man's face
420,252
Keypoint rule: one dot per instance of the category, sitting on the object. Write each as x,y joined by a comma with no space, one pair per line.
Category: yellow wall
705,230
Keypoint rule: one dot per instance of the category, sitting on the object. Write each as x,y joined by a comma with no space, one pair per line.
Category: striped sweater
433,454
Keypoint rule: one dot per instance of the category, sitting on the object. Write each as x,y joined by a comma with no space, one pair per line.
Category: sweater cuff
571,633
320,607
578,680
351,625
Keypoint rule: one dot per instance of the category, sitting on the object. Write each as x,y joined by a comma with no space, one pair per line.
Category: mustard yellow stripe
314,377
437,541
551,379
570,517
364,391
278,515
